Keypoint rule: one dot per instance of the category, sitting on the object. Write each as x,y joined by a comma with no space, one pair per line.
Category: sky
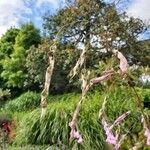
13,13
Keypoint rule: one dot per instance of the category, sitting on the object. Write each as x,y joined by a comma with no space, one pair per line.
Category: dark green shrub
4,95
25,102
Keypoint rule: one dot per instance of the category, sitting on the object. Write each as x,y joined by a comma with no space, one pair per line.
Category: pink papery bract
121,118
111,139
75,134
123,62
147,131
80,140
147,134
105,76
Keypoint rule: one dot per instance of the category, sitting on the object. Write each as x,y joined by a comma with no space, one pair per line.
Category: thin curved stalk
48,76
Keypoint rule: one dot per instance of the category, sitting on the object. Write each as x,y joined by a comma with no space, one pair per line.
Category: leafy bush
25,102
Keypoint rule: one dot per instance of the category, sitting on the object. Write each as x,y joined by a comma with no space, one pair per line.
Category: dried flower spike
147,130
111,139
74,133
120,118
105,76
123,61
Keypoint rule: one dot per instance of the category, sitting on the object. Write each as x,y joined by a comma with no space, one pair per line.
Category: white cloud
55,3
14,12
140,9
11,12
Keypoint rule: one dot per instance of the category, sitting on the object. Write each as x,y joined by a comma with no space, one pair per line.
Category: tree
7,42
14,70
37,62
98,25
140,53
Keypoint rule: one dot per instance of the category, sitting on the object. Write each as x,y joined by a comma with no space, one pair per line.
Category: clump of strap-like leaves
111,138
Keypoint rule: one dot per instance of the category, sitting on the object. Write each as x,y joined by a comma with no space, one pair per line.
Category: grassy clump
28,147
54,129
31,100
26,101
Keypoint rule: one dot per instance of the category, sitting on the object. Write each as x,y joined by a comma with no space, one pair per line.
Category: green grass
27,101
31,100
53,130
28,147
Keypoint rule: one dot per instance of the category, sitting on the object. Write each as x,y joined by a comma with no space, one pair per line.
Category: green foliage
5,116
4,94
29,147
23,65
140,52
144,93
31,100
58,113
25,102
37,63
28,35
54,129
7,42
147,95
14,71
99,25
66,56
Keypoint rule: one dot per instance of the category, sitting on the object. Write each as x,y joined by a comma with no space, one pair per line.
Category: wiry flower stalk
73,124
101,111
79,64
111,137
145,119
74,134
122,138
51,56
48,76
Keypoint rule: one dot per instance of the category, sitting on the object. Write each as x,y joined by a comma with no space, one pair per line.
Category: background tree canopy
98,24
83,32
95,25
14,72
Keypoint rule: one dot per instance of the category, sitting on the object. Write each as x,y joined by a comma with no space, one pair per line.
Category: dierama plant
73,124
112,138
